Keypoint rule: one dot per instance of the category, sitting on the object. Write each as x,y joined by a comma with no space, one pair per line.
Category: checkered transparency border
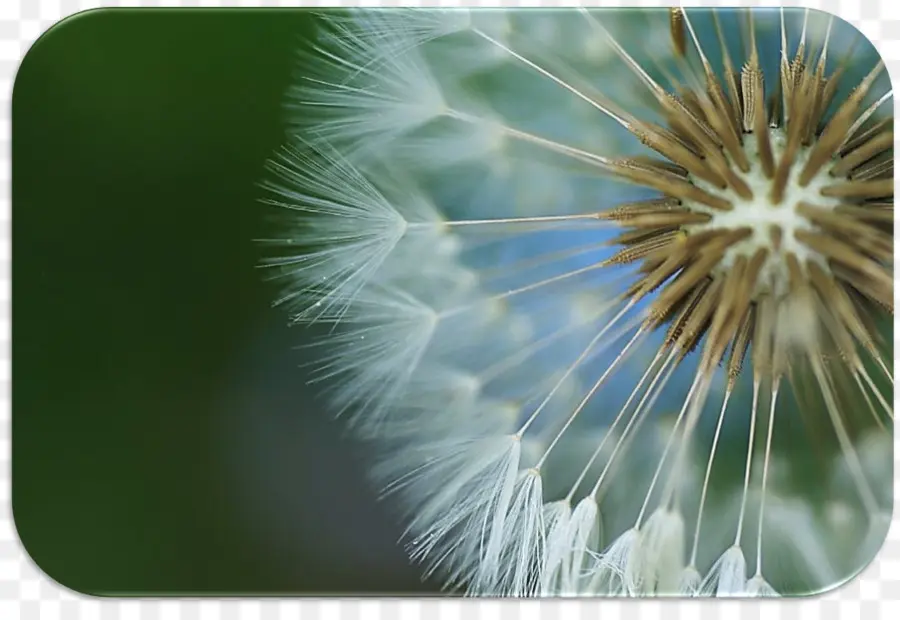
26,593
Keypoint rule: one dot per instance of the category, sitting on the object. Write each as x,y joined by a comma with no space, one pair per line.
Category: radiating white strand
369,90
557,517
459,501
659,561
582,537
709,465
728,576
517,566
345,230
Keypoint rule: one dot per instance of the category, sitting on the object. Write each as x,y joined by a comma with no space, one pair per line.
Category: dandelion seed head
584,292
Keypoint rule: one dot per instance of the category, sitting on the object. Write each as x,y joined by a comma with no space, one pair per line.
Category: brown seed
676,29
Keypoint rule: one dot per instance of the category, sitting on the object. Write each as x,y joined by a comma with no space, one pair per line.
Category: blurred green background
164,438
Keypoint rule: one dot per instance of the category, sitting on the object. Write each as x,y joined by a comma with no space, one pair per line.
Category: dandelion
608,311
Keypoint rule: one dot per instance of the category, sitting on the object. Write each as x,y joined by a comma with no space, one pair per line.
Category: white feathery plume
458,492
417,26
728,576
381,340
760,588
582,536
370,90
612,571
660,558
349,230
690,582
523,543
555,569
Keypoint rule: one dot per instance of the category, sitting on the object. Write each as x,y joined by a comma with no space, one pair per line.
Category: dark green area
164,437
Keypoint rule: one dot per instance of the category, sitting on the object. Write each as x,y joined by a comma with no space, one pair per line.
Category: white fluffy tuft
728,576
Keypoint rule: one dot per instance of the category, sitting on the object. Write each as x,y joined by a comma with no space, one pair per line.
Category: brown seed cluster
729,146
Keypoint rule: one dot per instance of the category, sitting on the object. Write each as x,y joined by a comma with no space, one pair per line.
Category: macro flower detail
606,314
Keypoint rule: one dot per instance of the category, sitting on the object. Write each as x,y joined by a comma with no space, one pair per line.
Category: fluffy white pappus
612,572
758,587
368,361
339,229
418,26
401,83
427,265
395,356
690,582
728,576
361,90
645,560
659,560
582,535
516,569
557,517
457,390
457,493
